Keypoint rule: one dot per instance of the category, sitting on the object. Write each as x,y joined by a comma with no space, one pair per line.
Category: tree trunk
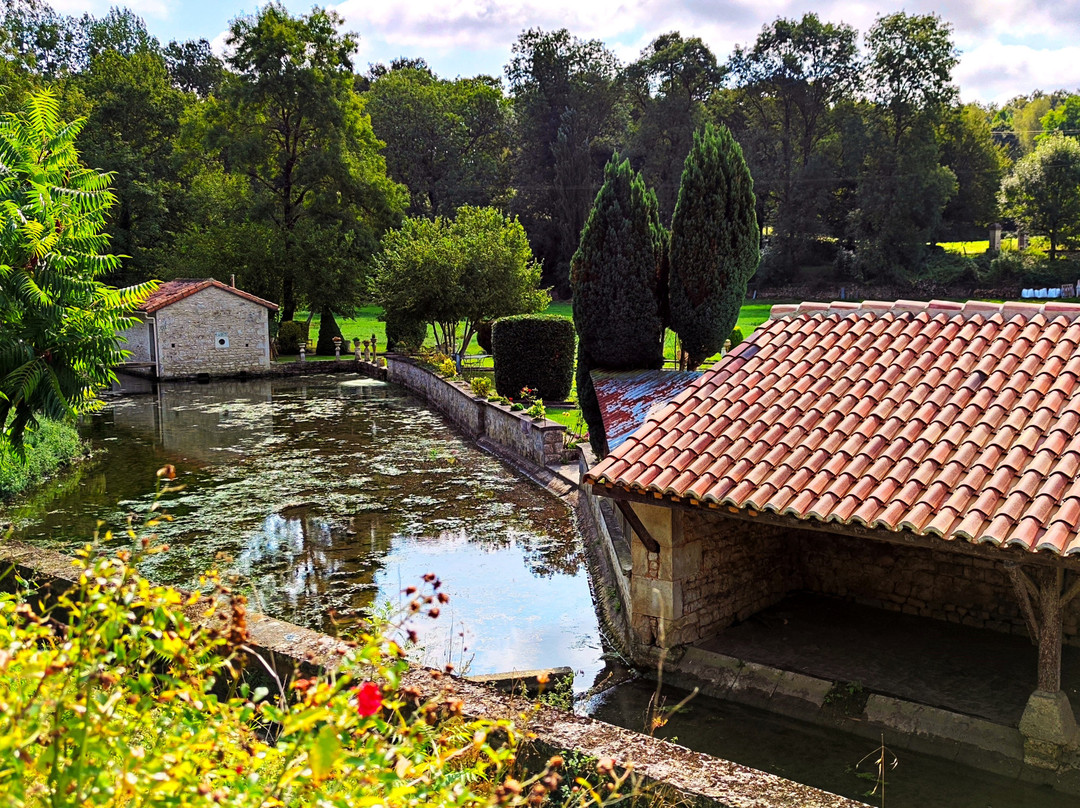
1050,630
288,297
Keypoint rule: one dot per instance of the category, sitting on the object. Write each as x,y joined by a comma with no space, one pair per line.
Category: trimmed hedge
289,336
404,335
533,350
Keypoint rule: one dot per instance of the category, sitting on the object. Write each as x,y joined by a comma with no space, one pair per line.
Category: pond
326,496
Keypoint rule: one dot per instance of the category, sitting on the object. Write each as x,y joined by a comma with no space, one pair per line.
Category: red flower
368,699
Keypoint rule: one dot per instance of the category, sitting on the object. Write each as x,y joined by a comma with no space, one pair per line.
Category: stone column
995,238
658,579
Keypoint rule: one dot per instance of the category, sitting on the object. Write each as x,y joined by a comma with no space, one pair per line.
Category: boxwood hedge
534,350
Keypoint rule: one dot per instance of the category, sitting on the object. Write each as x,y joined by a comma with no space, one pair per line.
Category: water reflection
326,496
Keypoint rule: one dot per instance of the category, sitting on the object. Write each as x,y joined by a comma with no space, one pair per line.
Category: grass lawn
973,248
366,322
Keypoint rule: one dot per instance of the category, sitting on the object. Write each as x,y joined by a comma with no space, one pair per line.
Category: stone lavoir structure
917,457
200,327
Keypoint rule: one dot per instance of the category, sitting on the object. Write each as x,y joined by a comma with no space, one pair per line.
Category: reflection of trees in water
315,571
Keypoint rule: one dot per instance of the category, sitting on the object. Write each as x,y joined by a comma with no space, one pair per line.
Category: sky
1008,47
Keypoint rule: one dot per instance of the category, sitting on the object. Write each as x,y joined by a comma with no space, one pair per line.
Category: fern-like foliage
58,322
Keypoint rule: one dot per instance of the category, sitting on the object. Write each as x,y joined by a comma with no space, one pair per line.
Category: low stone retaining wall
539,441
673,773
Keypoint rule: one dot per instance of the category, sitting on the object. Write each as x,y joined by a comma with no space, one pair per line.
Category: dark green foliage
714,244
589,404
48,448
404,335
483,335
616,275
58,322
290,334
736,337
534,350
328,329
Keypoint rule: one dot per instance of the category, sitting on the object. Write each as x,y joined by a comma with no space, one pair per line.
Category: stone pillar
995,238
658,579
1022,240
303,351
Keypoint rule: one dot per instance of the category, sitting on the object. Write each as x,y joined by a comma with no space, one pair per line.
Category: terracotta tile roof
626,397
945,419
173,291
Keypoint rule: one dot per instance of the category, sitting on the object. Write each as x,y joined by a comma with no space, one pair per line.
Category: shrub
290,335
736,337
49,447
404,335
483,335
113,694
328,329
534,350
481,386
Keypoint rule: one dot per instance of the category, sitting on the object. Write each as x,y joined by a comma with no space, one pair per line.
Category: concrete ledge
527,683
669,770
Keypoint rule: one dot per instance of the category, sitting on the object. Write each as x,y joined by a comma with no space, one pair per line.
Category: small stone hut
920,457
200,327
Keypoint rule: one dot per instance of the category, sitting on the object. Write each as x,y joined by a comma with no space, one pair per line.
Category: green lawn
367,322
973,248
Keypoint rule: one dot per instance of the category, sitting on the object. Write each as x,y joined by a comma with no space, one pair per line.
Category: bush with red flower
120,693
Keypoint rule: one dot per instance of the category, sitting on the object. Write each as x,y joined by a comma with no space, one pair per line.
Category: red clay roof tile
947,419
174,291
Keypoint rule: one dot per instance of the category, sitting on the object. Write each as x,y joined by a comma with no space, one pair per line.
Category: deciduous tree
58,322
1043,190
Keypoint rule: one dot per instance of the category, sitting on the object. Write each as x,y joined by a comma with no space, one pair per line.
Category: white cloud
995,72
153,9
1008,46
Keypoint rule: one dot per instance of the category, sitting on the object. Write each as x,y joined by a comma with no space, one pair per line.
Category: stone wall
538,441
713,571
706,576
188,333
137,340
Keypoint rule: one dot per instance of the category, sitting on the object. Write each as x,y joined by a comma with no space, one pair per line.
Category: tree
902,187
58,322
969,151
790,81
1043,190
445,140
193,67
909,73
1064,118
714,244
616,274
291,123
462,271
671,83
132,127
569,110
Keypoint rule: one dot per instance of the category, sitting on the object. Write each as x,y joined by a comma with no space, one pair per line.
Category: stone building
200,327
920,458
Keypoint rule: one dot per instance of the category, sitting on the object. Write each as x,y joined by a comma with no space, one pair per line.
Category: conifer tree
616,276
714,244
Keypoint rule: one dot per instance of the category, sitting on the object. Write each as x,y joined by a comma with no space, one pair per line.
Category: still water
328,495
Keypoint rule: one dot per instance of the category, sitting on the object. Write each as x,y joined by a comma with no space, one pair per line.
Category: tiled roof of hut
174,291
957,420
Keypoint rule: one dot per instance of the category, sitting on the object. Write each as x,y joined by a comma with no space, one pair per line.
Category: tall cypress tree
616,276
714,244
